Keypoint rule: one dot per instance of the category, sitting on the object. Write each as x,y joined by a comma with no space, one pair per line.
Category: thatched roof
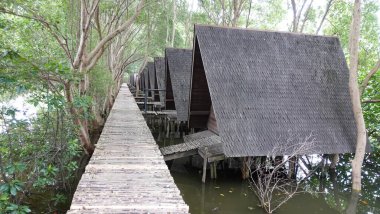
178,71
159,64
272,91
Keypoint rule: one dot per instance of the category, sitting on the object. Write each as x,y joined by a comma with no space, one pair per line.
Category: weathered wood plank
127,173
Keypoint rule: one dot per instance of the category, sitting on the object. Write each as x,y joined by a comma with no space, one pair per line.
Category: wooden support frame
180,155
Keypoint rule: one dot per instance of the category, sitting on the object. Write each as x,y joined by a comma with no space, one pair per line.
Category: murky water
229,194
328,193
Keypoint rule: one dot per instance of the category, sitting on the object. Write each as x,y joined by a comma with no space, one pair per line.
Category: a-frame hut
159,65
153,81
145,73
141,82
178,71
261,90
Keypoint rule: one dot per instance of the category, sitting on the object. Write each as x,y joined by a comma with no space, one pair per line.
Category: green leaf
13,191
26,209
4,188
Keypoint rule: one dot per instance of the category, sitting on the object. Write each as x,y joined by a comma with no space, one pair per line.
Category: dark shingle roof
159,64
179,69
272,90
146,77
152,76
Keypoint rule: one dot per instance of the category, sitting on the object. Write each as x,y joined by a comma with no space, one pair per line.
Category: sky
194,6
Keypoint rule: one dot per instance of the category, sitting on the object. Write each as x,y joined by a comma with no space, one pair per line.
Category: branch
114,33
324,16
299,13
371,101
294,16
368,77
97,23
306,16
61,40
85,20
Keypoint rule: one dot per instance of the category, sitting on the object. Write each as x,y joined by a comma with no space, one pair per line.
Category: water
229,194
327,192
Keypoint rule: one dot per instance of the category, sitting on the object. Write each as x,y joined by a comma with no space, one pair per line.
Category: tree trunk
324,16
355,97
249,14
334,160
174,20
294,16
83,133
167,25
353,203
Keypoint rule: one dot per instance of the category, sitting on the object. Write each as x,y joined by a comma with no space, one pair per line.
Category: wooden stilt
204,170
215,174
160,128
181,129
167,128
172,131
177,135
245,168
212,170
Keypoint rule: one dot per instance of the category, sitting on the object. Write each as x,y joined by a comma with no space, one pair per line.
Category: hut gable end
200,96
146,79
152,81
169,98
178,77
271,91
159,64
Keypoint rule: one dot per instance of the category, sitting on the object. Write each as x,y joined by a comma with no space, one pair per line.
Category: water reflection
329,192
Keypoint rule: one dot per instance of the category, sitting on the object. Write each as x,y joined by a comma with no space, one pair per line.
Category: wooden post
204,170
214,168
159,138
177,135
245,167
172,131
167,127
181,127
292,168
205,165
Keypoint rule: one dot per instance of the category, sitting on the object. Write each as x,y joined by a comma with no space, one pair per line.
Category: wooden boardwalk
127,173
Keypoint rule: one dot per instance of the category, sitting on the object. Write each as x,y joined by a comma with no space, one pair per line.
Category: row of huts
256,93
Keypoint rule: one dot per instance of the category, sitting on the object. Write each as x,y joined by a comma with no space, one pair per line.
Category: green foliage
58,199
100,81
35,154
369,53
17,209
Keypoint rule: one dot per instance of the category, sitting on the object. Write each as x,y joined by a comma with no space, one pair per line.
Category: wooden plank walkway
127,173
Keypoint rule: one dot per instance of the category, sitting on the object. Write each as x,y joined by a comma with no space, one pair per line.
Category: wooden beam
180,155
